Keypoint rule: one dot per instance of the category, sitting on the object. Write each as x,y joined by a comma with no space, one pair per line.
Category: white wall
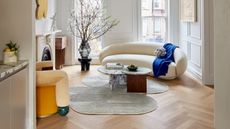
17,24
191,42
208,42
64,8
127,13
196,41
174,22
222,63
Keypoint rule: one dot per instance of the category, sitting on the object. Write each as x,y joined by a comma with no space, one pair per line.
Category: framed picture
188,10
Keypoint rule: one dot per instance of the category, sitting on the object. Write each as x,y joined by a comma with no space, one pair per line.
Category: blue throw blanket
160,64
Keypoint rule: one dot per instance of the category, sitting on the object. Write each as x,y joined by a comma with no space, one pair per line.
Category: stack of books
114,66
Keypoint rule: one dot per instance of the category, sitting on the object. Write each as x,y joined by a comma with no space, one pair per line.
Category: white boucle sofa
142,54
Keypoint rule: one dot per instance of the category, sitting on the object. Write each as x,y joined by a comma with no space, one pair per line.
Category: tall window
154,20
95,48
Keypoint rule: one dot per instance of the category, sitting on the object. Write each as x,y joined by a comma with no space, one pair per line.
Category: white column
222,63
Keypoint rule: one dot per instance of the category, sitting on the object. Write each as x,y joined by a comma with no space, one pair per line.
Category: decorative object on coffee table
132,68
114,66
88,23
137,80
85,63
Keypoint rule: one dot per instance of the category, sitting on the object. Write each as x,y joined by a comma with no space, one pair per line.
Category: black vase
84,50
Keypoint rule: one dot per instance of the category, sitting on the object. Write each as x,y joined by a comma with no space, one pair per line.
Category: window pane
147,25
95,47
154,29
147,7
154,25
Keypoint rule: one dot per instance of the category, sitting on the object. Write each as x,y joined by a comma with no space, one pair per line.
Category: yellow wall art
42,8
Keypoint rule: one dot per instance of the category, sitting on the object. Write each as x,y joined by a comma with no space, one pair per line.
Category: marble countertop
10,69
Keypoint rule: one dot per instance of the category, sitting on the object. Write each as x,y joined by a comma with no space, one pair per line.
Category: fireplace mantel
43,40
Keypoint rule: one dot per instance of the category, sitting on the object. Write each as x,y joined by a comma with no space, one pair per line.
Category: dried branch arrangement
89,20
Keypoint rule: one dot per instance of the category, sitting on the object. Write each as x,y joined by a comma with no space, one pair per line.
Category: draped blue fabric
160,64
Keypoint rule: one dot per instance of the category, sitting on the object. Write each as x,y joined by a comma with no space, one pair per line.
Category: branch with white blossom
89,21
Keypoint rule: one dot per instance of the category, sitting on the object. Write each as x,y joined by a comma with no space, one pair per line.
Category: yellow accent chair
52,91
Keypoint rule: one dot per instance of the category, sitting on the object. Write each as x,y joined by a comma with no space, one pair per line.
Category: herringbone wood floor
187,105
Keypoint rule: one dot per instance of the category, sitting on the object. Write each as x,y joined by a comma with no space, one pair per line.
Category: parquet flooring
187,105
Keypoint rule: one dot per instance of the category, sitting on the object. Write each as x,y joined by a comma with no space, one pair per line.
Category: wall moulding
191,34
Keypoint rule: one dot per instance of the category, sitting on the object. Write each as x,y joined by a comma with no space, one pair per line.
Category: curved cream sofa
142,54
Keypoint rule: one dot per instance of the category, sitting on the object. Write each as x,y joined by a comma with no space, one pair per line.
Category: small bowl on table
132,68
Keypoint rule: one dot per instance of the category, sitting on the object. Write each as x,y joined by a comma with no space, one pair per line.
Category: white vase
10,57
84,50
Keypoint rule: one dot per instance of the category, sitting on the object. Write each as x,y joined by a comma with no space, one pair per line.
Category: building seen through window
154,20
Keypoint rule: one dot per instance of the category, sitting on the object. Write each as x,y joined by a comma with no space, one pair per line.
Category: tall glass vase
84,50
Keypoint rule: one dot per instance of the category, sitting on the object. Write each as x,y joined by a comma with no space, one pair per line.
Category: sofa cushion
139,60
130,48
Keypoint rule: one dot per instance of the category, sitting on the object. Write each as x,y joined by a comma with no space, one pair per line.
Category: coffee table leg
137,83
112,81
117,80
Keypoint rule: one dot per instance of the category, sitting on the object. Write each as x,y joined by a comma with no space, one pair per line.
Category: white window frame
172,21
140,20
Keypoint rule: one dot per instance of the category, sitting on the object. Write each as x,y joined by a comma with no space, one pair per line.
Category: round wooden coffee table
137,80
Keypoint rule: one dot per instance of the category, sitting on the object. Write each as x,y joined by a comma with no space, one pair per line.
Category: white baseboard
195,73
198,75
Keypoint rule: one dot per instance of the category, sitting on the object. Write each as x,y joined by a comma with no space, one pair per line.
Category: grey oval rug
156,87
153,86
96,81
101,100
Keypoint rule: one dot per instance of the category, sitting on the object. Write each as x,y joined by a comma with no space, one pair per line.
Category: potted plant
10,53
89,22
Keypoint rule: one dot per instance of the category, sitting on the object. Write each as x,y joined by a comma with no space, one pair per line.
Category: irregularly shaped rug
102,100
153,86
